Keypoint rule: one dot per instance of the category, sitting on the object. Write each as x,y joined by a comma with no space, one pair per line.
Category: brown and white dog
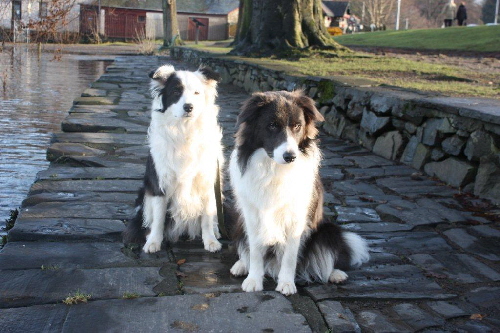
274,171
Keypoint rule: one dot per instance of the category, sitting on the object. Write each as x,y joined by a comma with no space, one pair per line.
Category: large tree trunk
281,26
170,25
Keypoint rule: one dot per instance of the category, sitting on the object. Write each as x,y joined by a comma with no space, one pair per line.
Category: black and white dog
278,191
185,155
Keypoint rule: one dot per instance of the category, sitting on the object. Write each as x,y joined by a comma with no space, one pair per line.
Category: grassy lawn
419,75
480,39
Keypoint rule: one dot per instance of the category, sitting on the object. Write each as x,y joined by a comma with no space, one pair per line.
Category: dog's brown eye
177,92
296,127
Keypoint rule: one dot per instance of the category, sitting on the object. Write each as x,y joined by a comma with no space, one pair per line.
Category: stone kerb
454,139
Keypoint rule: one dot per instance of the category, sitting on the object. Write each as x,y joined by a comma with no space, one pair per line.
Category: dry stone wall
454,139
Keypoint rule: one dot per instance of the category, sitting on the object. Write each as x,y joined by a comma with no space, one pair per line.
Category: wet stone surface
434,251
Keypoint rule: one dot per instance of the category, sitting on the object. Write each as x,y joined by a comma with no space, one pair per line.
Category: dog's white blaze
289,146
185,151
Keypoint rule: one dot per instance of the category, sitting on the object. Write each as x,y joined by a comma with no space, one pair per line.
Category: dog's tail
328,248
135,232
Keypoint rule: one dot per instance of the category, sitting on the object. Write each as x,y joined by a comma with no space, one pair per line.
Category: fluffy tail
358,248
328,248
135,233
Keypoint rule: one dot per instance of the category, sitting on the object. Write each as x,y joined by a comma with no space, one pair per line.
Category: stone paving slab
127,172
32,255
88,196
79,210
116,138
86,185
247,312
52,284
384,282
101,124
66,229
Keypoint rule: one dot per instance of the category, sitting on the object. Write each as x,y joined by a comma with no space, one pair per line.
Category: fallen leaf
200,307
477,316
180,274
181,261
342,316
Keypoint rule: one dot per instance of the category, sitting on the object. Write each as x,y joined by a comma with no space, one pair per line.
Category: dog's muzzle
289,157
188,108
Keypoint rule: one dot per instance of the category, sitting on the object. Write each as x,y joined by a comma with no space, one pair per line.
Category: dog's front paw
152,246
238,269
212,245
286,288
251,284
338,276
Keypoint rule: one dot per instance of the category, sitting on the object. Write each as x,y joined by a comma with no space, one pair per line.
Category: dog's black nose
289,157
188,107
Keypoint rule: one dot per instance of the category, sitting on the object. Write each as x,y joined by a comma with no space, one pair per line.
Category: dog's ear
311,113
250,107
162,73
209,74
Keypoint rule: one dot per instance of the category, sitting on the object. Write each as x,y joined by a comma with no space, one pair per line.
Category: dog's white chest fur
278,195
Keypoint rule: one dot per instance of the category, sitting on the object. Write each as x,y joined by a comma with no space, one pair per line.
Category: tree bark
170,25
281,26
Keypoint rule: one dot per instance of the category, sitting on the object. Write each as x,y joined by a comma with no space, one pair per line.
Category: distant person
449,11
462,14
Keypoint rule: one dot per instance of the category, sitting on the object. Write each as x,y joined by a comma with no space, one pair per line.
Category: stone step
51,284
239,312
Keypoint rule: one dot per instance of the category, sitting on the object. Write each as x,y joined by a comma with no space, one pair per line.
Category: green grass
77,297
384,70
480,39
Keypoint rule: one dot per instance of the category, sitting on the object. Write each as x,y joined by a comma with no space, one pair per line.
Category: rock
238,312
55,284
479,144
437,154
338,318
381,105
431,128
452,171
373,124
64,229
453,145
446,309
366,140
96,100
477,246
355,111
410,149
59,149
415,317
374,321
487,184
422,154
334,123
389,145
28,255
92,92
410,128
356,214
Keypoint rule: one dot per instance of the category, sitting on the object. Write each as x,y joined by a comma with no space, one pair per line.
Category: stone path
435,252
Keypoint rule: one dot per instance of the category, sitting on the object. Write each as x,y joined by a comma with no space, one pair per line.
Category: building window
43,9
16,10
141,19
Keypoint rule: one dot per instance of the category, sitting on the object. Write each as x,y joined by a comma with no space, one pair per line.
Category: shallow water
36,92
